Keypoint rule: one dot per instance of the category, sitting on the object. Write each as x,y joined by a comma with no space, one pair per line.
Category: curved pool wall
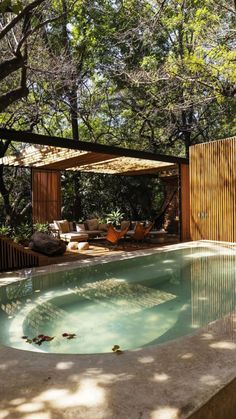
140,301
191,376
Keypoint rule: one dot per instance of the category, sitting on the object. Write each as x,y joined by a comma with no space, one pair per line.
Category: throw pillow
80,227
92,224
103,227
64,226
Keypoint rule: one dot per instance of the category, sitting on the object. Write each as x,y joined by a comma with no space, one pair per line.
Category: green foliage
22,232
41,228
156,76
115,217
5,230
93,195
10,5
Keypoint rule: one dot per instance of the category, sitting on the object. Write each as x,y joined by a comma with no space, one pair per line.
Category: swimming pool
131,303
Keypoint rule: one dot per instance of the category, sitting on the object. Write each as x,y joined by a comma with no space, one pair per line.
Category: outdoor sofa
69,231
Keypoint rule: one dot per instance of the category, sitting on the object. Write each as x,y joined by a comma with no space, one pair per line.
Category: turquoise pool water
132,303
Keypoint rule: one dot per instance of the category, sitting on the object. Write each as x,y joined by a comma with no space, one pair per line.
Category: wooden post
46,195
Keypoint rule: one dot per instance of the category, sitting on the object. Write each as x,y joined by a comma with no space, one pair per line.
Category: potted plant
115,217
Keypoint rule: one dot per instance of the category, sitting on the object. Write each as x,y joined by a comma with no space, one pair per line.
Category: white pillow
80,227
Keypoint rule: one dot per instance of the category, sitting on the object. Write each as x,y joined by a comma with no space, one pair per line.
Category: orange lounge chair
141,232
113,235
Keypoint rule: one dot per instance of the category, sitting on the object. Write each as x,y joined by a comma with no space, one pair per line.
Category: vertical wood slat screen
185,202
213,190
46,195
14,256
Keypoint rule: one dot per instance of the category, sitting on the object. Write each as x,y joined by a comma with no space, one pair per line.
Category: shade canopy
57,153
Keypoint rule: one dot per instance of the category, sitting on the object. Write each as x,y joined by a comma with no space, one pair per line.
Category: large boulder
43,243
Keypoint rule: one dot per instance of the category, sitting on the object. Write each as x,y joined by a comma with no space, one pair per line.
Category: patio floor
98,247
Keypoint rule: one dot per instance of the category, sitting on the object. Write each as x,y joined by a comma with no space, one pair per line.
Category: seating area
70,232
93,229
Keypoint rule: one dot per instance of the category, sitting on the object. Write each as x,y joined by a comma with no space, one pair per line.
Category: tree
20,25
175,77
135,73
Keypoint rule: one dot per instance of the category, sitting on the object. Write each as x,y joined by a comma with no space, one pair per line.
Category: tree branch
18,18
32,31
12,96
9,66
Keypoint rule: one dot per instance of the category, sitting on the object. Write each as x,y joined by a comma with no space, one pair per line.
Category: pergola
48,156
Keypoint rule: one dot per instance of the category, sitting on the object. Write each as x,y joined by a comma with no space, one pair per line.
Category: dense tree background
150,75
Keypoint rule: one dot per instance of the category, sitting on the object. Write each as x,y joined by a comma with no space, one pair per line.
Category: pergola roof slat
64,154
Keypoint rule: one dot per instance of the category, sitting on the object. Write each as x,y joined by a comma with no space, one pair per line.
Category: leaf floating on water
48,338
38,340
69,335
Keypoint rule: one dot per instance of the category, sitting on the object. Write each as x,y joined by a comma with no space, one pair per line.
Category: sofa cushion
92,224
74,236
71,226
62,225
103,227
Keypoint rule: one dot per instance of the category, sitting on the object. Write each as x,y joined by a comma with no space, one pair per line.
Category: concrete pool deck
172,380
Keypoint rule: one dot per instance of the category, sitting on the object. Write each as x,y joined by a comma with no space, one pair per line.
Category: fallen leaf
71,336
48,338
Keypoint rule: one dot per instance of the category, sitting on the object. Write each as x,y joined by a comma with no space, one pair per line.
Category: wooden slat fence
185,202
213,190
14,256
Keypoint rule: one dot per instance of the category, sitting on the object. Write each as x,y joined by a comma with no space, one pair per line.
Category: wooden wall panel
213,190
185,202
46,195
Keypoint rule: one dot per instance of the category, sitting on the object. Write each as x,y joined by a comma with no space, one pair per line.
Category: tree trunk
70,92
6,199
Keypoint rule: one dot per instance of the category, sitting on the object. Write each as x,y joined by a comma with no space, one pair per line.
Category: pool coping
139,383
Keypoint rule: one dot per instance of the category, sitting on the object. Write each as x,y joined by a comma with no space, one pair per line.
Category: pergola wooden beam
60,142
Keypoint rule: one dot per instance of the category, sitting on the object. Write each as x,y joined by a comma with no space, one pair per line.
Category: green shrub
22,232
42,228
5,230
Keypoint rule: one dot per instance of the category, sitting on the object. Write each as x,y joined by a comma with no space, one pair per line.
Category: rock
83,246
43,243
72,246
